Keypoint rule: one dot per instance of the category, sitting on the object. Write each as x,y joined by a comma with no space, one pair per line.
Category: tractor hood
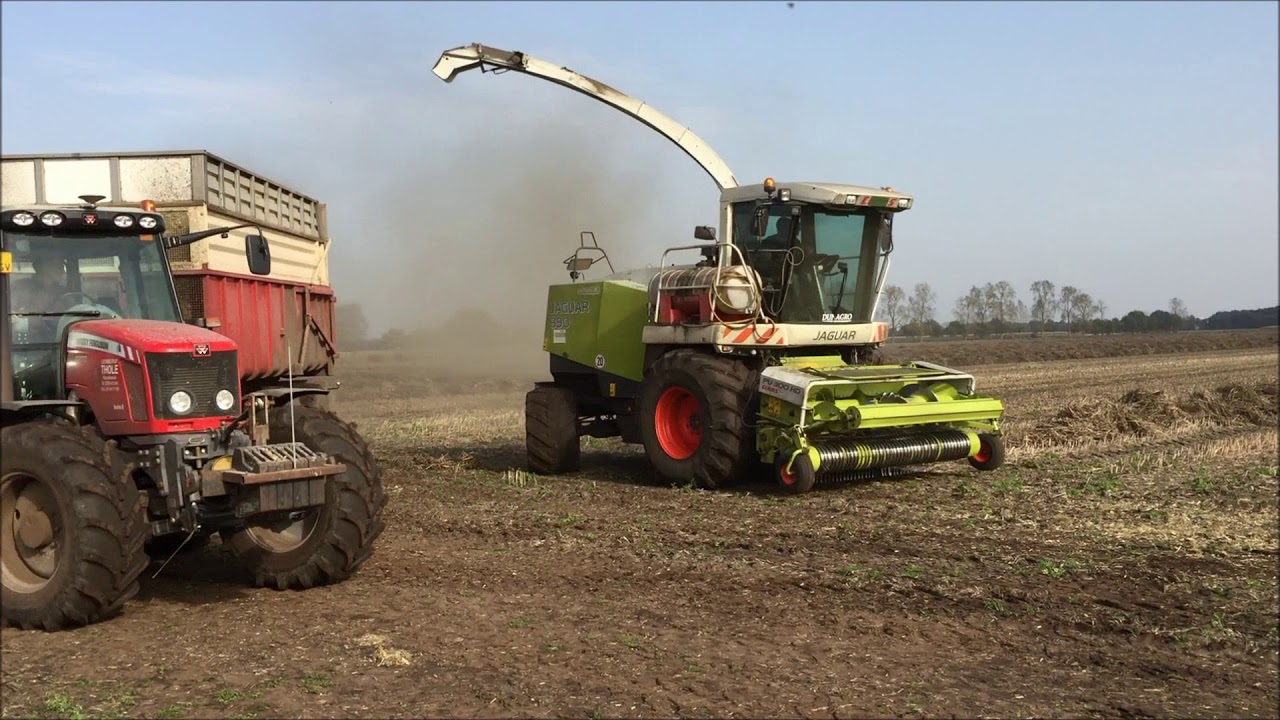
132,339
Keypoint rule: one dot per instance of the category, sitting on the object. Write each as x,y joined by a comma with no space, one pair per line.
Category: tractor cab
820,250
61,265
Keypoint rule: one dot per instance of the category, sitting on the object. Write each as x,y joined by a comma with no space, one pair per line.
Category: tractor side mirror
760,221
704,232
258,253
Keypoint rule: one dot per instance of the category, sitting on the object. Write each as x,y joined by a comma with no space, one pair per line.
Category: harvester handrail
469,57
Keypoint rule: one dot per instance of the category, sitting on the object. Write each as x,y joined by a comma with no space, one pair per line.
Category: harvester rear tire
990,455
551,430
342,532
802,477
97,531
714,395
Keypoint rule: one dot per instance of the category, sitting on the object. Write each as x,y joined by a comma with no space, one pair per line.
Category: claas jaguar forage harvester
761,349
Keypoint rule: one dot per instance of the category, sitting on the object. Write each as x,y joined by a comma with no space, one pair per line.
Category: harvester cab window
822,273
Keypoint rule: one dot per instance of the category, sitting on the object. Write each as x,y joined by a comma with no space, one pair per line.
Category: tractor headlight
124,221
23,219
52,219
147,222
224,399
180,402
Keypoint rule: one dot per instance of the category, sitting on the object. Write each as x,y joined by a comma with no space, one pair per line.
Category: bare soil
1123,563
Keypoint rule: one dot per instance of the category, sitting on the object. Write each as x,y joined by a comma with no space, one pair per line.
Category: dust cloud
474,234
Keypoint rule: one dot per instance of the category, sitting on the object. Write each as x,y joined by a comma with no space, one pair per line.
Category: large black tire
551,430
694,418
336,538
85,518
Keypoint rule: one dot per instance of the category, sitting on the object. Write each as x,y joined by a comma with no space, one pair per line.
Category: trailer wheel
551,430
72,527
323,545
990,453
694,412
802,477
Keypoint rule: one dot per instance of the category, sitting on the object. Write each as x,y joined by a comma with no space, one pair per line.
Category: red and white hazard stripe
752,335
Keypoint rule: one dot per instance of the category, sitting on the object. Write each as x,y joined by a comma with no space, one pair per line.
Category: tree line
995,308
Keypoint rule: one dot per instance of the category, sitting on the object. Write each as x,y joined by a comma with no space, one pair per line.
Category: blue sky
1128,149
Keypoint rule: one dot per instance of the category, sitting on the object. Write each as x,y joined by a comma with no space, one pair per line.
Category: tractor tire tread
109,519
551,434
360,500
730,388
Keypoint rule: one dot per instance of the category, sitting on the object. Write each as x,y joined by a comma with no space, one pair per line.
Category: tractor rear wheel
551,430
326,544
694,411
72,527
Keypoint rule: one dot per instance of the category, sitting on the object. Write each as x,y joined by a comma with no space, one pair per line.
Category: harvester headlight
904,202
850,199
23,219
52,219
180,402
784,194
224,399
146,222
124,221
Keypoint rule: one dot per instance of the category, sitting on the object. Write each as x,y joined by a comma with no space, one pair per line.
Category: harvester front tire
802,477
339,536
551,430
694,411
96,532
991,453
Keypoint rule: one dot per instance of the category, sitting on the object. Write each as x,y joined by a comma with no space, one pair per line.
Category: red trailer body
276,325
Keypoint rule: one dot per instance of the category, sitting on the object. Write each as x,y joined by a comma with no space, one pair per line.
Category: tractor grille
200,377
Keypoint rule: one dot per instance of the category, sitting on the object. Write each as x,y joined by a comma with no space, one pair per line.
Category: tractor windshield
59,280
816,264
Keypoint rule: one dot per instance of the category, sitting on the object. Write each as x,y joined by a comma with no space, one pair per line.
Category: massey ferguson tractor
124,429
760,352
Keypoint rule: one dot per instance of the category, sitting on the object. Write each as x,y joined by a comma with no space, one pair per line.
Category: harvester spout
469,57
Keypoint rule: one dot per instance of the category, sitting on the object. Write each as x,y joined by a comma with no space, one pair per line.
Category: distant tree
1067,304
1081,307
1162,321
895,301
352,328
955,328
1044,302
1135,321
1177,308
1241,319
920,308
1002,302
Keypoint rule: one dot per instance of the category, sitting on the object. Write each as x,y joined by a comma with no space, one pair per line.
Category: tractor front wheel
551,430
694,411
72,527
326,544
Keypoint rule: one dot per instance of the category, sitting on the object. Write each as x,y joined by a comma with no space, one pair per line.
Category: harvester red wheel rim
788,478
984,451
678,423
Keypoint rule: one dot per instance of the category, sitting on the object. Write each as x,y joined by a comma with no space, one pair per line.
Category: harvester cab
766,351
122,427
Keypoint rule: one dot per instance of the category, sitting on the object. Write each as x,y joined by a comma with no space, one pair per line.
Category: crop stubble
1122,563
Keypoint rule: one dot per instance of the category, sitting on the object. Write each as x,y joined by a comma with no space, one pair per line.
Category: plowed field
1123,563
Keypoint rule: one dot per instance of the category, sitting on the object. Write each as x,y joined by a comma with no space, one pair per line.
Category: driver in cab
41,292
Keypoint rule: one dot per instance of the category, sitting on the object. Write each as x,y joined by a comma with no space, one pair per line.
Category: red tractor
125,432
